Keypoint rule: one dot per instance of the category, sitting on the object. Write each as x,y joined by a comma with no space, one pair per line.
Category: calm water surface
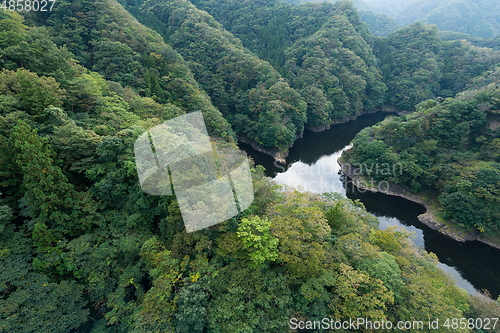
312,166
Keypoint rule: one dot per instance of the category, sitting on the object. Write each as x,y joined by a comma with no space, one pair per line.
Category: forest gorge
83,249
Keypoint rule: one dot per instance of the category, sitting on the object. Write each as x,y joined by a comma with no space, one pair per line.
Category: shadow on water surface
313,159
314,145
474,265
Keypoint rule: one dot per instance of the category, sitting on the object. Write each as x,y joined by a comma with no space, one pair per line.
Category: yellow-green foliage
82,245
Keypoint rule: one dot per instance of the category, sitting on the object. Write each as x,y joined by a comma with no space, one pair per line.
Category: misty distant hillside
84,249
478,18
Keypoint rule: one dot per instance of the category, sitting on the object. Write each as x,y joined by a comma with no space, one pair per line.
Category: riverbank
429,218
280,156
385,108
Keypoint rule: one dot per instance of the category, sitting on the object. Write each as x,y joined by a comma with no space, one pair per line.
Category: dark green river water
312,166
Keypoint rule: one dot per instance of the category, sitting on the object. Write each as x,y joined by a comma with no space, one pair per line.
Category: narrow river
312,166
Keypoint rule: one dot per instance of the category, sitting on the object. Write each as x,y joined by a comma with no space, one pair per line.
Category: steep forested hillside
248,91
323,50
417,65
107,39
378,14
389,7
492,43
379,24
268,27
84,249
451,147
71,209
336,71
478,18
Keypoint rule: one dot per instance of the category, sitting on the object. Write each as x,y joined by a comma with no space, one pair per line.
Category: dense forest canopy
266,105
451,147
248,91
84,249
477,18
379,24
417,65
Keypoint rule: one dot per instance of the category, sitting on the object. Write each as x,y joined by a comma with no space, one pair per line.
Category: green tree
55,207
357,295
157,311
245,299
34,93
258,241
385,268
334,216
301,230
31,302
192,303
